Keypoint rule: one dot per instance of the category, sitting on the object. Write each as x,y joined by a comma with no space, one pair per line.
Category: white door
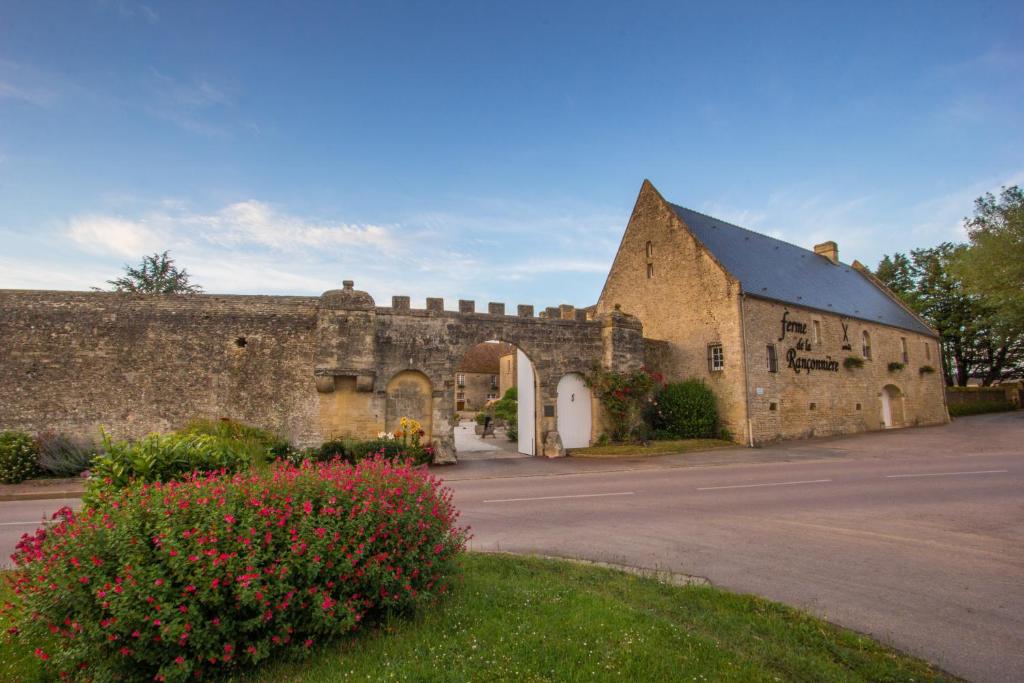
574,411
527,405
886,409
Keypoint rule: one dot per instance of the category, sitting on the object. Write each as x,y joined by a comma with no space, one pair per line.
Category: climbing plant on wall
625,398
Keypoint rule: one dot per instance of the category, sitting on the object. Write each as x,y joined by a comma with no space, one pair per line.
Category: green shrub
197,579
480,418
896,366
685,410
979,407
392,449
259,441
64,456
926,370
851,362
165,457
506,409
18,457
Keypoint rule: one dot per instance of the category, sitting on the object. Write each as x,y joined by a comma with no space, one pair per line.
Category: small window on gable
903,350
865,344
816,325
773,359
650,249
716,358
650,270
927,351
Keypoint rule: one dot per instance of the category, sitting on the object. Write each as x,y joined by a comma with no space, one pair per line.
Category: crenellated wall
310,368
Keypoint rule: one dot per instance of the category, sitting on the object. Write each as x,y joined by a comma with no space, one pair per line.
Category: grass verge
651,448
526,619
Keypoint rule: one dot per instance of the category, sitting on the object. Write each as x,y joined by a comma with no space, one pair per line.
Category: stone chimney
829,250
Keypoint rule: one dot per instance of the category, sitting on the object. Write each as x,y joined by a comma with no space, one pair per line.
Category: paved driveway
913,536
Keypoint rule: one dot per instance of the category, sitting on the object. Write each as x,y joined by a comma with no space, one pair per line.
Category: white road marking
944,474
751,486
582,495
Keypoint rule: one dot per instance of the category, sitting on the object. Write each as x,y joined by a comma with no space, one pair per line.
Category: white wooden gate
574,411
527,413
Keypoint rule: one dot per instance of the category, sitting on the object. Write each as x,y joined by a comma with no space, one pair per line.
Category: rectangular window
460,379
903,349
494,381
650,270
927,351
816,324
491,397
716,358
773,359
460,396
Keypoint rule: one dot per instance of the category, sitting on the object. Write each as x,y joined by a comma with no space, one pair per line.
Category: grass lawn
523,619
652,448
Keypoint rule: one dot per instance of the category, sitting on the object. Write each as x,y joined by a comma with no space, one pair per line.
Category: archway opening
495,403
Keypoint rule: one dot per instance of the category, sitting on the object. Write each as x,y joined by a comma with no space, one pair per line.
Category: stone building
476,377
794,343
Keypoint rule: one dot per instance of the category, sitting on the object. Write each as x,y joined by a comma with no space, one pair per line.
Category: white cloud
110,234
256,222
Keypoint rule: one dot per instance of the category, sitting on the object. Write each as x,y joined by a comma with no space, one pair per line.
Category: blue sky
485,151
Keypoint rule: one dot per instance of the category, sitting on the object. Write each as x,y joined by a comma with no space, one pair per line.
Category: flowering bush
169,581
64,456
625,398
18,454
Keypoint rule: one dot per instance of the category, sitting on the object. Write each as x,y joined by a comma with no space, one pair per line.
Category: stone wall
75,361
688,302
310,368
787,404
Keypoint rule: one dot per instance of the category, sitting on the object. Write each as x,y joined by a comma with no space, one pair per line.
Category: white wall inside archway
574,419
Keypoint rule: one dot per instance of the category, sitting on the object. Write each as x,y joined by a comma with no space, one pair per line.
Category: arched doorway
409,395
574,419
892,406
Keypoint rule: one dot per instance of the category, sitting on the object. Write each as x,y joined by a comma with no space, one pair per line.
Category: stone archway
409,394
892,406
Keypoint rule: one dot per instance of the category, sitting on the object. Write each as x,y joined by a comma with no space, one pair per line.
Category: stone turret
346,347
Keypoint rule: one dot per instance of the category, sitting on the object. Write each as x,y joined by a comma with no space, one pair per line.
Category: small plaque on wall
549,411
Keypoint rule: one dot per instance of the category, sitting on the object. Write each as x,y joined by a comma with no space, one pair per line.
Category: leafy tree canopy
993,267
156,274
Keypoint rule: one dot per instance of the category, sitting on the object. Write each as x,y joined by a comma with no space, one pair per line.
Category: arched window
865,344
650,249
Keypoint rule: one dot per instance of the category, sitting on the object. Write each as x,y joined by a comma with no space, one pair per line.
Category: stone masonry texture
310,368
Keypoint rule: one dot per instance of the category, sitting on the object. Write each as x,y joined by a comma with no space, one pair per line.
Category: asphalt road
915,536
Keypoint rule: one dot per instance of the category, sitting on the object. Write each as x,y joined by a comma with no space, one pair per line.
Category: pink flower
42,655
230,519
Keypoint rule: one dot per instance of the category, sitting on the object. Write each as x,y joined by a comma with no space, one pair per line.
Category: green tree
156,274
972,344
993,266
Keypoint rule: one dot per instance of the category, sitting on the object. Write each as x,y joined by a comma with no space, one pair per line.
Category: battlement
349,298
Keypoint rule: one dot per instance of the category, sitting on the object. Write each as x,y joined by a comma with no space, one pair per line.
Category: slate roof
773,269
